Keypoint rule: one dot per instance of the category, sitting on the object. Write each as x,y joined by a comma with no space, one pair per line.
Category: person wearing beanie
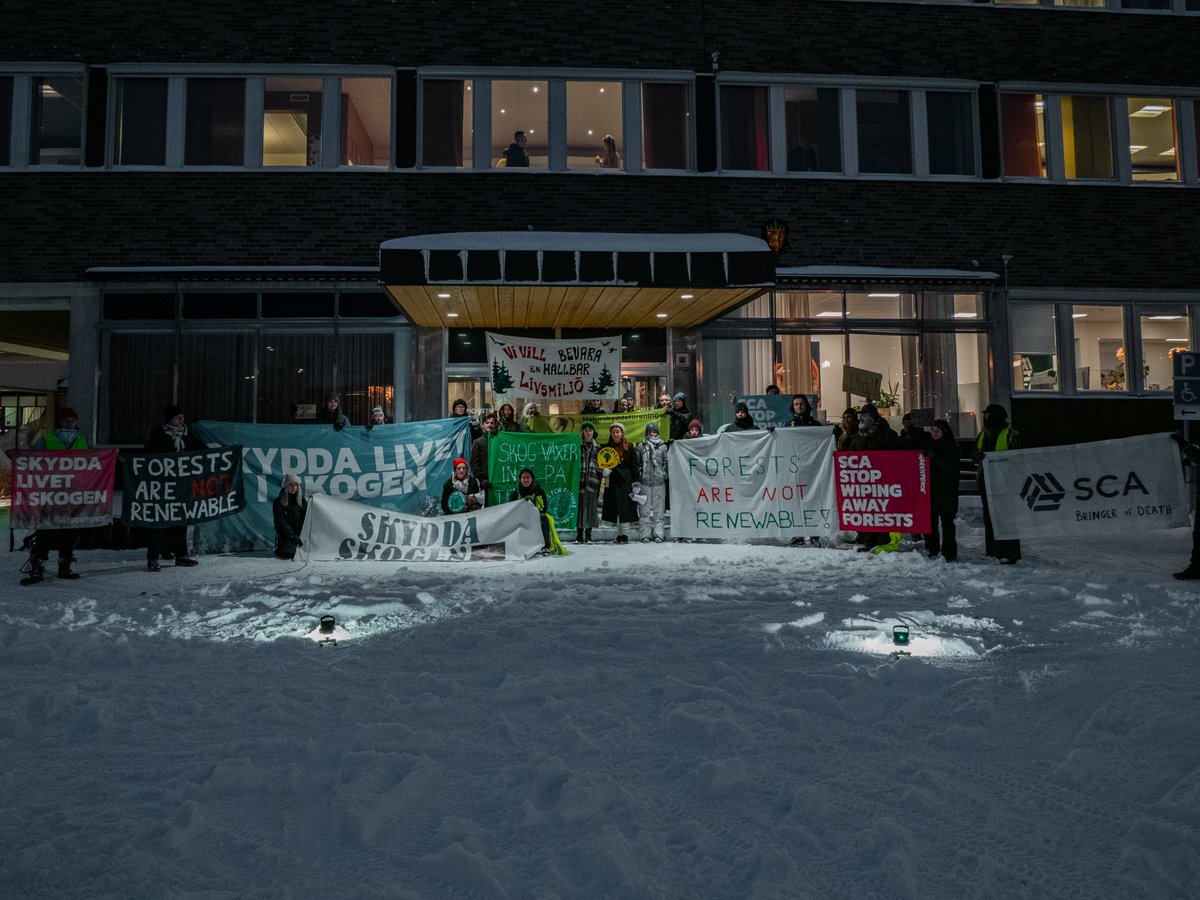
694,429
742,420
996,436
652,461
680,416
331,413
466,486
590,477
942,451
846,431
459,410
288,510
65,436
377,417
874,433
172,436
802,414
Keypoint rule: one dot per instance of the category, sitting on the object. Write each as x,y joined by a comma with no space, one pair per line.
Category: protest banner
401,467
555,460
769,410
754,484
345,530
162,490
633,422
883,490
544,369
1099,488
62,488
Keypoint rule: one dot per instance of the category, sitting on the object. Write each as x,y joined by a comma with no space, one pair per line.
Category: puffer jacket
652,458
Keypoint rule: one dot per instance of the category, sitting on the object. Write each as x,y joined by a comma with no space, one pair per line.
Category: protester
479,450
506,419
65,436
742,420
801,412
529,489
463,485
331,412
625,404
172,436
664,400
288,510
942,451
1191,456
377,417
847,430
589,485
652,461
874,433
529,410
772,389
619,506
694,429
459,410
593,407
912,437
996,437
680,415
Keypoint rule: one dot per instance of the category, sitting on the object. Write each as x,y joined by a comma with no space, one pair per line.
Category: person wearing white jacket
652,458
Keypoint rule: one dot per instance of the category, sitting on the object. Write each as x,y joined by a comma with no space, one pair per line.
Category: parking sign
1187,385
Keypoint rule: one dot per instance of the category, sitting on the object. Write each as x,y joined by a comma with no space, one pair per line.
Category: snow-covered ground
652,721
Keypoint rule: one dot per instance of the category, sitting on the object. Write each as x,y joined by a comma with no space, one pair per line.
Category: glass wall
1153,139
365,128
521,106
595,129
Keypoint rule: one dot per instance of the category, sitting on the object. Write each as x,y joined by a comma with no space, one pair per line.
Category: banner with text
62,488
162,490
754,484
342,529
555,461
1099,488
399,467
768,410
883,490
544,369
634,423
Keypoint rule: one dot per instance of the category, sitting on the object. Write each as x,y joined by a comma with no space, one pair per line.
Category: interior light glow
1136,148
829,315
1163,318
883,295
1170,152
686,296
443,296
661,315
964,315
451,315
1078,315
1150,111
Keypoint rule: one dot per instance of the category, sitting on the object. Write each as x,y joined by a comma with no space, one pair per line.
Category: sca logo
1042,492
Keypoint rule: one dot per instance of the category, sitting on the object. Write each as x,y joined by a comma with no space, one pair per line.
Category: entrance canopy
539,279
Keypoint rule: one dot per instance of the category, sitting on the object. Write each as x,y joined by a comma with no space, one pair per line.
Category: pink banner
62,488
883,490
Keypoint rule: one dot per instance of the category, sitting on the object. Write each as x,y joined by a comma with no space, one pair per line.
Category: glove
299,543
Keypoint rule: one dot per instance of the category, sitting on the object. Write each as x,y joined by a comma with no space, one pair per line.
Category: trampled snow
677,720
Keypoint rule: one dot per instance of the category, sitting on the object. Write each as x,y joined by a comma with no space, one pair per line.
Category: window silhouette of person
515,156
608,157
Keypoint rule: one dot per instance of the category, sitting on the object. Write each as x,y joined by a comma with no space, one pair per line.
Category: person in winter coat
529,410
619,506
331,412
942,451
847,430
652,460
593,407
479,450
506,419
996,437
288,511
65,436
459,410
912,437
742,420
464,485
173,436
377,417
801,412
680,416
694,430
589,485
529,489
874,433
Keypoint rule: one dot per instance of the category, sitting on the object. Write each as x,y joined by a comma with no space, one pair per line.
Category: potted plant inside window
889,399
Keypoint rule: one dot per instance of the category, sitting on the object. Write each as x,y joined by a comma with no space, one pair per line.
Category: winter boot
64,568
587,536
579,535
35,570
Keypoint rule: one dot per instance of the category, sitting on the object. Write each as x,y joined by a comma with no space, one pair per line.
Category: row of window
341,121
1172,6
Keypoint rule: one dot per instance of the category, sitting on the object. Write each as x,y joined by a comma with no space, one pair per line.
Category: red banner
62,488
883,490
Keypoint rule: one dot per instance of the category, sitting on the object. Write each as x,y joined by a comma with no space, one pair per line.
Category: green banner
634,424
554,459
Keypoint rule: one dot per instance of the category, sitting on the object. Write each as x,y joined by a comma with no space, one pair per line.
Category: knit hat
696,423
587,425
869,409
741,407
332,395
651,428
459,460
679,396
290,478
377,409
170,412
459,402
66,413
850,411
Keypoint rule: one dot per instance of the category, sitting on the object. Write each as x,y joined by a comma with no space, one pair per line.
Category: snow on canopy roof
876,273
580,240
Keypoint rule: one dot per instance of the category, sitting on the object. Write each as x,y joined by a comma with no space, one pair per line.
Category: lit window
292,122
884,132
1152,145
1166,331
365,137
1034,347
595,138
1087,136
1023,123
814,130
520,124
1101,355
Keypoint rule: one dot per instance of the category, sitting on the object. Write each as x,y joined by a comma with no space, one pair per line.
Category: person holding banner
459,410
742,420
461,492
377,417
618,458
172,436
65,436
801,412
506,419
847,431
479,449
331,413
942,451
288,511
652,460
529,489
996,437
874,433
589,485
680,416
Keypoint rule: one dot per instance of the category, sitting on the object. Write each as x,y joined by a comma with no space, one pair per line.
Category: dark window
366,375
467,345
139,306
884,132
444,119
297,305
814,131
367,306
951,133
293,370
220,306
142,122
642,345
140,371
216,376
745,129
6,90
216,122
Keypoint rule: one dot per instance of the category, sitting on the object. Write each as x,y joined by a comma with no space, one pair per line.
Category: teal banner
555,461
768,410
398,467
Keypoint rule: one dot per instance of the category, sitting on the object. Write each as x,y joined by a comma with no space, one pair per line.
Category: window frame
20,134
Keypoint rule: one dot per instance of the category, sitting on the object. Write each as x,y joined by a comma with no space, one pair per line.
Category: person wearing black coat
331,412
465,485
874,433
680,416
459,410
942,451
529,489
479,450
172,436
802,413
288,511
619,506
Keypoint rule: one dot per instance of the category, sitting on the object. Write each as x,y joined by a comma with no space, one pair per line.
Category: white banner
754,484
342,529
1101,488
543,369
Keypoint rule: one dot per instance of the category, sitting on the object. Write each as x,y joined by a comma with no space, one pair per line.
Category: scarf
176,433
